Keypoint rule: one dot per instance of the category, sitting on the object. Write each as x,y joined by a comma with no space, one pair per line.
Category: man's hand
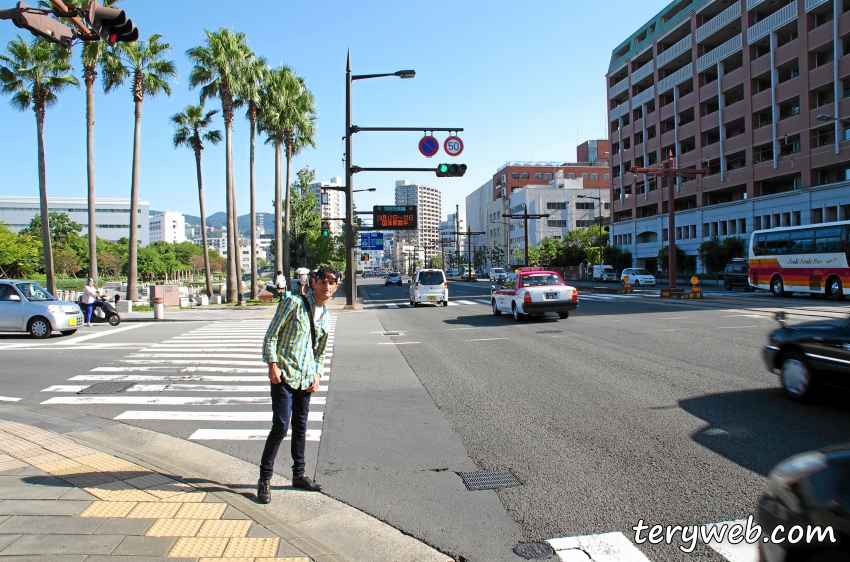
315,386
274,373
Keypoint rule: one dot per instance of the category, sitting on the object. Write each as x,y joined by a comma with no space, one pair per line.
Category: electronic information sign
395,217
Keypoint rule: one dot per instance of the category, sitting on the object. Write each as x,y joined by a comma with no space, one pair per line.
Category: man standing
294,349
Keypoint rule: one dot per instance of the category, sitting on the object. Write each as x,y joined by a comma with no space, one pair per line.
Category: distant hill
217,220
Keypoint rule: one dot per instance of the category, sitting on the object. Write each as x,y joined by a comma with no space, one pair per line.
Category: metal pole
525,220
350,264
671,221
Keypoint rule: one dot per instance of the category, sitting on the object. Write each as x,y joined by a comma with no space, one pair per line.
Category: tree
33,74
191,131
149,262
61,227
219,66
734,247
664,260
710,254
143,62
549,249
66,261
20,254
617,257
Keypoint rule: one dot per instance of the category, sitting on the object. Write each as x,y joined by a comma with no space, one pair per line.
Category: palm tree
191,131
143,63
249,94
288,117
33,73
219,66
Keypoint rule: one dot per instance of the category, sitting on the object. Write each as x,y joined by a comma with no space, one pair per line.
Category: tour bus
802,259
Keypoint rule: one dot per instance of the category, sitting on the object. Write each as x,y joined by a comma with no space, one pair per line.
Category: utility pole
668,170
469,235
525,216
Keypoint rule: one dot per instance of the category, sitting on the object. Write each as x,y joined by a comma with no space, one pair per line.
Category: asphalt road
633,408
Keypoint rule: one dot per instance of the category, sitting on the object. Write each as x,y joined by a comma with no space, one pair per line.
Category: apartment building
516,175
333,207
423,242
756,92
168,226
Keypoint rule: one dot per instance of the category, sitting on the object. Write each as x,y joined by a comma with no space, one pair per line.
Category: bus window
802,241
828,239
759,244
777,243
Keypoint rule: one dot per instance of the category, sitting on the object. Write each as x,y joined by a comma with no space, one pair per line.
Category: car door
834,349
11,311
508,291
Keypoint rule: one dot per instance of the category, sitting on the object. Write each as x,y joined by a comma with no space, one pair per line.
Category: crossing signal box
111,24
326,229
451,170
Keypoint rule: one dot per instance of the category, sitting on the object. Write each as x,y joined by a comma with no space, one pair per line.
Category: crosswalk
191,378
463,302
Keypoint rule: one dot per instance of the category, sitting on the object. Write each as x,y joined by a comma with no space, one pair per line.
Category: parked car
533,291
429,285
807,491
393,279
736,274
808,355
604,273
26,306
497,274
637,277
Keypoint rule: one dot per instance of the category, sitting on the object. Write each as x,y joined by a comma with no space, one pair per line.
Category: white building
168,226
333,208
112,216
476,211
448,240
423,242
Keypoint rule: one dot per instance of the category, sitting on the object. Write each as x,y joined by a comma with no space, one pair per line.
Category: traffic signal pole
525,216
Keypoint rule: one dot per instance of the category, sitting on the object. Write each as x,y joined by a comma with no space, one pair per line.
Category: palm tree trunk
42,193
207,273
237,249
286,262
232,234
132,265
90,76
278,228
253,213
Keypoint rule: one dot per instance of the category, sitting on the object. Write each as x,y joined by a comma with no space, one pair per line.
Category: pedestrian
280,283
294,349
90,299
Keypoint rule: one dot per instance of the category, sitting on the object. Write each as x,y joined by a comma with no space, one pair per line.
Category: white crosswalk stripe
209,367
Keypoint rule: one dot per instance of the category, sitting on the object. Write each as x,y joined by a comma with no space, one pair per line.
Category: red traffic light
111,24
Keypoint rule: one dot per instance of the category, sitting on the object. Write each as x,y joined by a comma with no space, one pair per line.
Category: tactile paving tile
265,547
65,466
165,490
154,510
201,511
45,458
149,481
225,528
187,547
108,509
118,491
251,559
183,497
174,528
92,480
108,463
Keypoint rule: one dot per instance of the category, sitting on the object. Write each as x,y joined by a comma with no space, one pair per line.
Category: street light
350,263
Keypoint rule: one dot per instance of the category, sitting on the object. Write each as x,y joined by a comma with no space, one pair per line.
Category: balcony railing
676,78
618,88
753,3
719,21
620,110
772,22
643,72
717,54
812,4
674,51
643,97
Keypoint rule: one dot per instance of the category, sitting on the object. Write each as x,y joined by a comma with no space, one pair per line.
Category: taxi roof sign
531,268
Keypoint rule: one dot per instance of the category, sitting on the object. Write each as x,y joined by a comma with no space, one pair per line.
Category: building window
571,176
514,175
525,175
556,224
607,176
548,175
594,176
556,205
584,205
585,176
538,175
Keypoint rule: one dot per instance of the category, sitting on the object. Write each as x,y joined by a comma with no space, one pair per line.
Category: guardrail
812,4
771,22
676,78
717,23
618,88
644,96
753,3
619,111
719,53
642,72
674,51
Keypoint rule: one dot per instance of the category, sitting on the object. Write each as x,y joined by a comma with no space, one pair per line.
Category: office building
476,211
423,242
168,226
753,91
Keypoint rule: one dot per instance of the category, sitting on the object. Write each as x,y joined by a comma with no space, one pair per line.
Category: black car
810,354
393,279
736,274
804,493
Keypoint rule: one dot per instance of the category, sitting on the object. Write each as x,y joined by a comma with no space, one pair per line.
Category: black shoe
305,483
264,495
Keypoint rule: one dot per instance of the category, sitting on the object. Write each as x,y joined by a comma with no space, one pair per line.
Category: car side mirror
780,317
492,287
15,298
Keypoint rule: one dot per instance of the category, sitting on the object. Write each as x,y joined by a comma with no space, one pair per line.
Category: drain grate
534,550
106,388
489,479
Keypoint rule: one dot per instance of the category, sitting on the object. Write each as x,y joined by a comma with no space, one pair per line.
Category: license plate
72,321
432,298
551,296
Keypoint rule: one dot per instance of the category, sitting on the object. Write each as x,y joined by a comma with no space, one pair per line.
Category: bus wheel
834,289
777,287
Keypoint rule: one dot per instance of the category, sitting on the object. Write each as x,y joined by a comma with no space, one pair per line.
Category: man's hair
324,271
279,272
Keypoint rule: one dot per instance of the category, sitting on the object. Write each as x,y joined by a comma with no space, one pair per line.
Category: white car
637,277
429,285
497,274
533,291
26,306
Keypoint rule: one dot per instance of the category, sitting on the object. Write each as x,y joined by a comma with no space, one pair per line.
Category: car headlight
54,309
70,309
793,469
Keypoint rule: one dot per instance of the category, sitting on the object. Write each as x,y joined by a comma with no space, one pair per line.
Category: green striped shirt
289,344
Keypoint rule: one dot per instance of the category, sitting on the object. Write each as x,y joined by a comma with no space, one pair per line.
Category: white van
604,273
429,285
497,274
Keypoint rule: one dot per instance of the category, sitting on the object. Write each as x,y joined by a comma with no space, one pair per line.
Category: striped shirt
289,344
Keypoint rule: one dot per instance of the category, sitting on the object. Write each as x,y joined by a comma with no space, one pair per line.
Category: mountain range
217,220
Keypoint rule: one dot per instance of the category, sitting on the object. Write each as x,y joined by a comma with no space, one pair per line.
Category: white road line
176,388
198,355
604,547
470,328
75,341
682,318
741,552
399,342
482,301
170,400
255,350
171,415
392,306
245,435
489,339
192,362
8,399
175,377
161,369
738,327
464,302
452,303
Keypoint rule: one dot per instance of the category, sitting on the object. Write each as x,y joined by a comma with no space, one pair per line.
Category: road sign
394,217
372,241
453,146
429,146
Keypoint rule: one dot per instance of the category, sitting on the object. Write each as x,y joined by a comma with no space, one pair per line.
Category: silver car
26,306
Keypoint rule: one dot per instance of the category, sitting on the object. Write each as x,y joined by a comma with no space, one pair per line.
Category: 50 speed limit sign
453,146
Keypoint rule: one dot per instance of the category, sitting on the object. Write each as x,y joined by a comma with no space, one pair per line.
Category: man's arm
281,317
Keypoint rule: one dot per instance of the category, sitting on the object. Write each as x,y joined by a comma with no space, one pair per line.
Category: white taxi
533,291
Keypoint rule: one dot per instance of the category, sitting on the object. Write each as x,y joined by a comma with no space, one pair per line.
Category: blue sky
524,79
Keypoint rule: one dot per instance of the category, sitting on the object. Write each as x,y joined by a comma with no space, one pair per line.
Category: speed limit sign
453,146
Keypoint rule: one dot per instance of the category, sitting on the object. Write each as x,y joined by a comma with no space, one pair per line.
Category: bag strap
312,322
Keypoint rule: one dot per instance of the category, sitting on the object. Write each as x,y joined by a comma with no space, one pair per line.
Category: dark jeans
286,402
88,309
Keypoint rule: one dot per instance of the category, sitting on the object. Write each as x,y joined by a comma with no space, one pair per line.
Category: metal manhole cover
534,550
550,332
106,388
489,479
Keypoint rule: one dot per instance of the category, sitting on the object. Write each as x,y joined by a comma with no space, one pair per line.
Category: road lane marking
489,339
197,355
392,306
176,388
738,327
464,302
245,435
155,369
207,416
470,328
746,316
482,301
608,547
175,377
741,552
399,342
170,400
74,341
8,399
682,318
191,362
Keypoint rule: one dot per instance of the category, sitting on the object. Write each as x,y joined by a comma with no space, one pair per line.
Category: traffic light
451,170
41,25
364,257
326,229
111,24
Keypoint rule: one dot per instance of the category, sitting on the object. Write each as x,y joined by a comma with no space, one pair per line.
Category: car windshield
498,270
541,280
34,292
641,272
431,278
